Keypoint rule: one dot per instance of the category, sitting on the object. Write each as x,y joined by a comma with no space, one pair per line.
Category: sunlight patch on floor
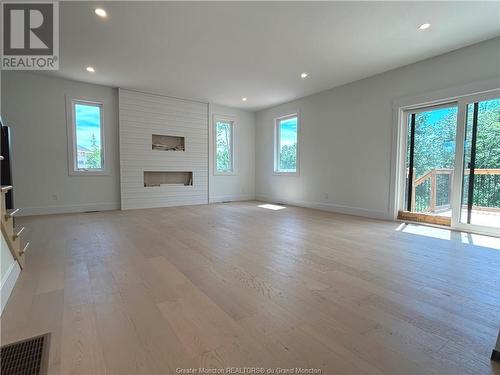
479,240
447,234
273,207
423,230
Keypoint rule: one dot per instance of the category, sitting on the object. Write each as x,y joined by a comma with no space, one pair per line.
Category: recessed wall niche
167,143
154,178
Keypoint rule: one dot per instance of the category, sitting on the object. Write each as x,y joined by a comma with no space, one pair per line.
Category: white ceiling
220,52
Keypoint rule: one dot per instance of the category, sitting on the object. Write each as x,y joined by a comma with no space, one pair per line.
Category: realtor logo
30,36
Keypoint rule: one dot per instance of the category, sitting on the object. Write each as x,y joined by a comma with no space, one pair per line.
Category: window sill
276,173
89,173
233,173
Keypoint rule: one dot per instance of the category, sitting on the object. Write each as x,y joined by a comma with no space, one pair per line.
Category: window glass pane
224,154
433,161
481,179
89,153
287,146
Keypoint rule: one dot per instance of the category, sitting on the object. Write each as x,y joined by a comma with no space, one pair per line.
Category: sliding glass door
430,158
451,164
480,200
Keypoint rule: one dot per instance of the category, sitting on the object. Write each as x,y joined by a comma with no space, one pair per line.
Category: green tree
94,158
288,157
223,152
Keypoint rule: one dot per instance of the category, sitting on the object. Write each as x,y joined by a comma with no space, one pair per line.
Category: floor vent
26,357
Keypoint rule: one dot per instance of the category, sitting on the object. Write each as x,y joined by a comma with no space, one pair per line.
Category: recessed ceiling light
244,99
101,12
304,75
90,69
424,26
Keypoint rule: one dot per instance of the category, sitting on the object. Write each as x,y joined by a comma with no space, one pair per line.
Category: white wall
34,106
346,133
240,185
141,116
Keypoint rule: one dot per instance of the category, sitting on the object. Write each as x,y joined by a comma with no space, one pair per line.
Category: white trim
337,208
68,208
8,283
231,198
232,120
277,121
72,147
456,188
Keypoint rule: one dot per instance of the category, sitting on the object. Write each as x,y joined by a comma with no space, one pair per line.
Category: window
224,150
286,144
87,138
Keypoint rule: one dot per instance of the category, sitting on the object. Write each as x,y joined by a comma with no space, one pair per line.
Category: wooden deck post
432,206
413,189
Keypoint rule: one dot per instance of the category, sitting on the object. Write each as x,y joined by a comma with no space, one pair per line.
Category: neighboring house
82,154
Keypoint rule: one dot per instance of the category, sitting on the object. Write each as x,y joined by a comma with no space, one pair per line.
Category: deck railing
432,190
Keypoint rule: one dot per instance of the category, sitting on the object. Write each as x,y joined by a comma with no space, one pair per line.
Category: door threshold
425,218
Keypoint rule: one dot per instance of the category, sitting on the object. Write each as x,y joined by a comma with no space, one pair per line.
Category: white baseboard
68,208
8,282
231,198
341,209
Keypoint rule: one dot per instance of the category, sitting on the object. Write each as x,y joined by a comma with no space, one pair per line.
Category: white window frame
71,132
277,122
232,121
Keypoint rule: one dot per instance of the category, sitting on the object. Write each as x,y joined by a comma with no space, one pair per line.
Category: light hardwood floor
149,291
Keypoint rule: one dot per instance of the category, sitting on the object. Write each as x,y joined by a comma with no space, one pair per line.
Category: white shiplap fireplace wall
141,116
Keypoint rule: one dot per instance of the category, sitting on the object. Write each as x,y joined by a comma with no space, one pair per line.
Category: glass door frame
404,203
458,170
456,203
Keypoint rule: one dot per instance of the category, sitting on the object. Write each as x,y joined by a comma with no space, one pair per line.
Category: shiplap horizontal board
164,156
134,97
198,171
142,144
188,127
191,149
130,175
136,118
141,116
134,130
161,110
159,166
136,115
133,187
